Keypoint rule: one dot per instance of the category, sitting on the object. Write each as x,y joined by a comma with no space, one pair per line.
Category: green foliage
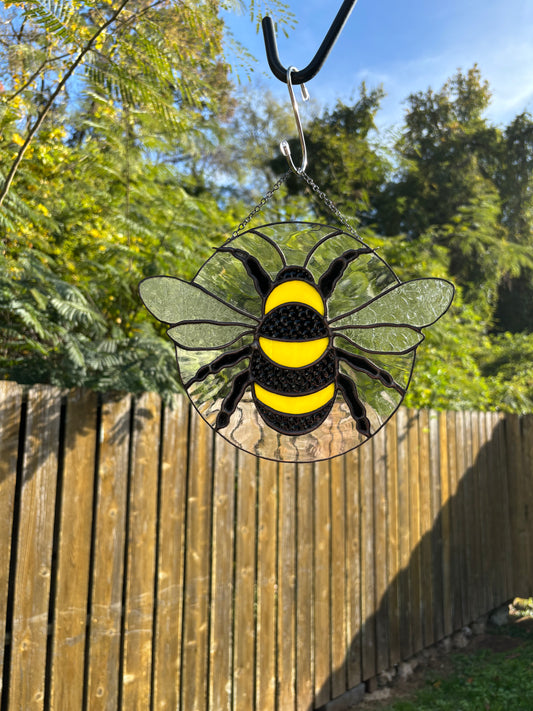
481,680
143,164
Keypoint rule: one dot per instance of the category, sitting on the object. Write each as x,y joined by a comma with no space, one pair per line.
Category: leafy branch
46,108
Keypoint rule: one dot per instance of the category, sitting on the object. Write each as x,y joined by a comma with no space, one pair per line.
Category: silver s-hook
284,145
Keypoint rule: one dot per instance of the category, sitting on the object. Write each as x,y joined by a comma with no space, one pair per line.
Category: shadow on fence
477,555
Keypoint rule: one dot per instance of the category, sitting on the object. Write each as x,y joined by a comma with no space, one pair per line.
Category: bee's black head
294,272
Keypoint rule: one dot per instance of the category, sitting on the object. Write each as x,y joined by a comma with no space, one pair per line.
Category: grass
485,679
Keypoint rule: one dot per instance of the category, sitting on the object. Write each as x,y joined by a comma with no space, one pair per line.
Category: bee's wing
174,301
392,321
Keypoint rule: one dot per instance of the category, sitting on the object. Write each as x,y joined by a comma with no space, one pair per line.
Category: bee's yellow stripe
293,354
295,404
297,291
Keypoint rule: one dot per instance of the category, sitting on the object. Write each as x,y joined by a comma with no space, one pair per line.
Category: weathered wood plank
27,682
108,556
468,493
222,586
393,542
487,552
445,477
304,587
461,509
456,542
368,563
353,569
244,633
475,522
74,552
141,554
381,551
503,485
437,549
266,585
527,491
194,672
171,556
404,541
415,533
322,584
338,582
287,588
10,421
426,530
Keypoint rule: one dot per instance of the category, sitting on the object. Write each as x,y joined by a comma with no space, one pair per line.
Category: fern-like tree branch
46,108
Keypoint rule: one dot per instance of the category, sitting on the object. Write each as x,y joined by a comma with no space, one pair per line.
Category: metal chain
261,203
328,203
321,194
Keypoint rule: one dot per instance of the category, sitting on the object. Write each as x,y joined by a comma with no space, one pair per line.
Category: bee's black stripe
294,424
293,381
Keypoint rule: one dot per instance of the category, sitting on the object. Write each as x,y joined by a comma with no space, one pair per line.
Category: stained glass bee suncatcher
295,341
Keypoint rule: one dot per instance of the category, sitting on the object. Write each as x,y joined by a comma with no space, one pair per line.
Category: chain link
328,203
261,203
320,193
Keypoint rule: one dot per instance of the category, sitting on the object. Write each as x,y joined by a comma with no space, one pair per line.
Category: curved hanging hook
318,60
284,145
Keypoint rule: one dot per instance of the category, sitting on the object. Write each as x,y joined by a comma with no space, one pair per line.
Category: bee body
293,365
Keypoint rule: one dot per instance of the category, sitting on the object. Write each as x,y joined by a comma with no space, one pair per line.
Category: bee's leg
364,365
262,281
357,409
224,361
336,269
232,399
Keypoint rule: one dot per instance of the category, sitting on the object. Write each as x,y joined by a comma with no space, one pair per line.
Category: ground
437,664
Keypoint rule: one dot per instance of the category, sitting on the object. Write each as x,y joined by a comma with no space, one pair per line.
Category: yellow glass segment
297,291
294,354
295,404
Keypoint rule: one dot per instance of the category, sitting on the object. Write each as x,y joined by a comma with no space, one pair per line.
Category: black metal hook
318,60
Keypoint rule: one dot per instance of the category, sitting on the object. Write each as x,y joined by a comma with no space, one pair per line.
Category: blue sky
406,46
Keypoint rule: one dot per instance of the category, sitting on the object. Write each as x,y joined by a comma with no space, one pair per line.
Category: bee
296,341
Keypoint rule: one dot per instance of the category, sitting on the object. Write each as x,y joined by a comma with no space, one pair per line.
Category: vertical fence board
322,636
527,491
475,516
456,579
287,588
436,539
194,676
393,543
427,569
74,552
10,421
221,644
517,504
244,633
504,487
266,586
380,551
368,564
34,553
487,552
353,570
304,588
108,555
338,582
171,555
141,554
445,514
465,453
404,518
415,571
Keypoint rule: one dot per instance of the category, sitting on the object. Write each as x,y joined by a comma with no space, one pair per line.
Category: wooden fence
146,565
